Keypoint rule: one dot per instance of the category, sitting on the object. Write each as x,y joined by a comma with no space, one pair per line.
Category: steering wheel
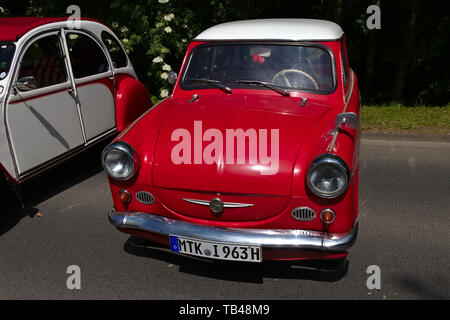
282,74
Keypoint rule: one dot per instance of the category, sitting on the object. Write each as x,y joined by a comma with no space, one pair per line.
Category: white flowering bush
155,34
3,12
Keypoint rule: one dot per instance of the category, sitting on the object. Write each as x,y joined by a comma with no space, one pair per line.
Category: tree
407,51
405,60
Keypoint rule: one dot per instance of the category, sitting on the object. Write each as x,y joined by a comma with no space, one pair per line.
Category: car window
7,50
86,56
289,66
118,56
44,61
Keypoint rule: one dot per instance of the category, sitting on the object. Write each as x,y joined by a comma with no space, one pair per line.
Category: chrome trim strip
350,92
102,135
125,131
37,93
225,204
267,238
74,91
88,79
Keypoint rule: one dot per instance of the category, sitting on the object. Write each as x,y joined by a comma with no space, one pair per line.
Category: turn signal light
327,216
124,196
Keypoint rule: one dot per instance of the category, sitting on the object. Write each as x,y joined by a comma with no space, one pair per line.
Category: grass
396,118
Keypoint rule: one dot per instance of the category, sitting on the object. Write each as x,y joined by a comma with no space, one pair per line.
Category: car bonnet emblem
216,205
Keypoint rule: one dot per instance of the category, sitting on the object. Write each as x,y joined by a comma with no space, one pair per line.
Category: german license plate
215,250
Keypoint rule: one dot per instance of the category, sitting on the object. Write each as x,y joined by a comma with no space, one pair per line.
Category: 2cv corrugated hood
278,115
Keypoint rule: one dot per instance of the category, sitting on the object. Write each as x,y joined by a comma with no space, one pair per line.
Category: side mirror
172,77
347,120
26,83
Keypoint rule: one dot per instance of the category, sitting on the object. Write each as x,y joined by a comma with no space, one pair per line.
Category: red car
254,156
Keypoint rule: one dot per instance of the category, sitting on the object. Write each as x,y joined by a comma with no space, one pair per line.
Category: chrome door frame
73,92
76,82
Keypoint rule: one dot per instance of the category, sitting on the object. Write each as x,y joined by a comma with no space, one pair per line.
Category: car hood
189,153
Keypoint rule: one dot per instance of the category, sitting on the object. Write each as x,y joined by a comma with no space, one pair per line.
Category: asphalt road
403,228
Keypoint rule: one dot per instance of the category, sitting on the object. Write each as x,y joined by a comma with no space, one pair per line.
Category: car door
41,114
94,83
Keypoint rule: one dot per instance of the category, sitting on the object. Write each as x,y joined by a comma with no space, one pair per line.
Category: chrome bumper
267,238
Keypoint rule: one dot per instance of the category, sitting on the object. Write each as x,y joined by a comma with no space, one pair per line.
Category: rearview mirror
172,77
347,120
26,83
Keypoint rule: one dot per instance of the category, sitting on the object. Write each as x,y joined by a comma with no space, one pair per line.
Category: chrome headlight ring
329,176
120,161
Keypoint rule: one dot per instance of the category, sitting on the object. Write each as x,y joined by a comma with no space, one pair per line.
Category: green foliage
155,34
377,56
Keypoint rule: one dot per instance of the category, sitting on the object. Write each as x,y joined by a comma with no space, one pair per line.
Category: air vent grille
303,214
145,197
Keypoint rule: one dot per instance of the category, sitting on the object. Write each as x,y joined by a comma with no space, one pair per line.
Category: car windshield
6,54
288,66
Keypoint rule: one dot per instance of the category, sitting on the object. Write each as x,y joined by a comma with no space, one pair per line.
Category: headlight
328,176
119,160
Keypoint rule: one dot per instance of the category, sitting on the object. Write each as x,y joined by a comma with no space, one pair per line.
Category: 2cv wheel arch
132,100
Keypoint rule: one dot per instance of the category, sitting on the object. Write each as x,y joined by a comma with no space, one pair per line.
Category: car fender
132,100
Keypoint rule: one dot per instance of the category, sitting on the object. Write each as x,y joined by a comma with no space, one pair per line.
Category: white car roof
274,29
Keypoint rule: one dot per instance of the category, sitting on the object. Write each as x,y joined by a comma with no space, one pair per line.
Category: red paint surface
132,100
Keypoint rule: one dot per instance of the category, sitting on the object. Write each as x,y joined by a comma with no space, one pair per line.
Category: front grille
303,214
145,197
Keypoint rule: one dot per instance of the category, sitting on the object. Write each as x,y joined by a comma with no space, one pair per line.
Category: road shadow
238,271
424,290
45,186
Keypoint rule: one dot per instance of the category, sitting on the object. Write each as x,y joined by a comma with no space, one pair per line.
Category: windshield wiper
214,83
283,92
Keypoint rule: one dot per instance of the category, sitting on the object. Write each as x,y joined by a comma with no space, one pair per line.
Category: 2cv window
7,50
44,61
86,57
118,56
